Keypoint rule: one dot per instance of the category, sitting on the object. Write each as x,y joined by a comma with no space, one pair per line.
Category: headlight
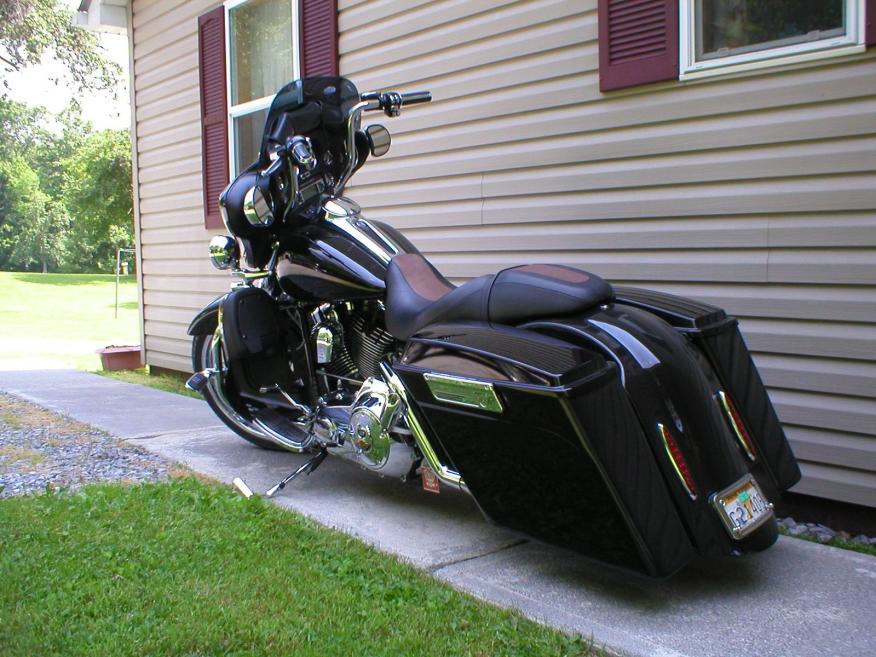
223,252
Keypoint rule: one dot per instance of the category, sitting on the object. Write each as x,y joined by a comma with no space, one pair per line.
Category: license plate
742,507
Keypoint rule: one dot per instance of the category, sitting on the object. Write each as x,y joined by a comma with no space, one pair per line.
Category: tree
31,28
34,226
98,197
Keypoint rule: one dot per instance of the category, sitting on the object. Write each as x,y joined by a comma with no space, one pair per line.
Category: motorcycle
626,424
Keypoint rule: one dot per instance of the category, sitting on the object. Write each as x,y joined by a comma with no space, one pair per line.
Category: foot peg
309,466
198,381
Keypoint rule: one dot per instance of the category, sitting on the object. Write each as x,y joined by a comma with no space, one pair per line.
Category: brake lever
276,165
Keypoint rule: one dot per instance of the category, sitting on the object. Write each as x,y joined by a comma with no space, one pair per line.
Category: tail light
679,463
736,424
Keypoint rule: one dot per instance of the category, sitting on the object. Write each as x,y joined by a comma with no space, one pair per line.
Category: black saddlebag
718,336
255,345
550,446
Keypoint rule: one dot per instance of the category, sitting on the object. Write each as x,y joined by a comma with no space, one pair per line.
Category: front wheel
236,416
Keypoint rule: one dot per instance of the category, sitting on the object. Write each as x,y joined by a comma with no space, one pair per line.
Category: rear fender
669,383
206,321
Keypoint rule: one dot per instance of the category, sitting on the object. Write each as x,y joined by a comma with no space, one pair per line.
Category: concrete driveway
797,598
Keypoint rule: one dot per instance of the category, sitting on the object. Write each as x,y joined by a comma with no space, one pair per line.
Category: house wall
755,192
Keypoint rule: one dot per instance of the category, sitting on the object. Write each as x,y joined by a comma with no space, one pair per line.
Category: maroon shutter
638,42
870,22
214,111
319,37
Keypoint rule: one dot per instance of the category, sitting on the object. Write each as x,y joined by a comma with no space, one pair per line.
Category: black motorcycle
626,424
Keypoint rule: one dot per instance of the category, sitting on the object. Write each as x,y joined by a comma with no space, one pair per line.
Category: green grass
168,382
59,320
188,568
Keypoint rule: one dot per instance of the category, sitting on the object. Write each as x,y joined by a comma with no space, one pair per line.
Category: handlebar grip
414,97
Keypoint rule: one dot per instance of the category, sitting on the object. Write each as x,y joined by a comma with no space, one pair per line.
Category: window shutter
870,22
638,42
319,37
214,111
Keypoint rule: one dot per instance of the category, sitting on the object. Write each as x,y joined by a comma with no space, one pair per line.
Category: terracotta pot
120,358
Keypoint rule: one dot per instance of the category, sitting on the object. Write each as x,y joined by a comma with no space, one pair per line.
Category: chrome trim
663,436
463,392
735,532
353,122
345,215
223,252
444,473
371,415
284,441
634,347
256,207
379,139
724,402
325,342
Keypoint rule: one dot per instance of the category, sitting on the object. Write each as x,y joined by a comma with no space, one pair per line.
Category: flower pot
120,358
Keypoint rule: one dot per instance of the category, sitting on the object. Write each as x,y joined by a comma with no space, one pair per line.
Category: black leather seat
418,295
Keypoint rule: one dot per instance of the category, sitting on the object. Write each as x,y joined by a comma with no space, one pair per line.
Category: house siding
755,192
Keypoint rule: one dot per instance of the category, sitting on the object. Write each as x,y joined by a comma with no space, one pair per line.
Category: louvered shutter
214,112
638,42
870,22
319,37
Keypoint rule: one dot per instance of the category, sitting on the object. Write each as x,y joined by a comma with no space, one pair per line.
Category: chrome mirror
223,252
378,139
257,208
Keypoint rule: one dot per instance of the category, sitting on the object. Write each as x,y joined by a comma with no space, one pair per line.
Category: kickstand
309,466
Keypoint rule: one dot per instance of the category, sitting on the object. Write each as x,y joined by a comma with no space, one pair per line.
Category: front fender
206,321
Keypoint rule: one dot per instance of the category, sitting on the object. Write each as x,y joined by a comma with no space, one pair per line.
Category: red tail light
737,424
679,463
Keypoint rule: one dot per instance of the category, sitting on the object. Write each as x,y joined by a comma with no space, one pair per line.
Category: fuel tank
340,257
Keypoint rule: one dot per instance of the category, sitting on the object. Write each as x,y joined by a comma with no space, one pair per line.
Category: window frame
257,104
848,44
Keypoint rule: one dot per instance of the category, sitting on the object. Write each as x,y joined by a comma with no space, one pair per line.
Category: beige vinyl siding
177,277
756,193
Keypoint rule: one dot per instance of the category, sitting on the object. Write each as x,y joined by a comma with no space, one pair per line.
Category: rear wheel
236,415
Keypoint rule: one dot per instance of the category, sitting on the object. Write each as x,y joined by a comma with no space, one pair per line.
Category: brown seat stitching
560,272
421,277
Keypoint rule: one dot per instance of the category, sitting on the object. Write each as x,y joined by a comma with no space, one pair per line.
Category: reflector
676,456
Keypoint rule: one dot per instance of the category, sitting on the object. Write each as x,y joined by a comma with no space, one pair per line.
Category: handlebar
391,102
414,97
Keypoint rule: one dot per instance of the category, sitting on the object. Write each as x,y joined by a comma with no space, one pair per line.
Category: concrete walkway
797,599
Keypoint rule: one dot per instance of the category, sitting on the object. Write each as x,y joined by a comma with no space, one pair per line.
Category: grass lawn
59,320
189,568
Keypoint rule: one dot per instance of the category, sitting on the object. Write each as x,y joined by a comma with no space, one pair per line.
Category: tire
235,418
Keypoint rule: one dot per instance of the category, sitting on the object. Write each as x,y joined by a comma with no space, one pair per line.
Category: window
262,44
717,34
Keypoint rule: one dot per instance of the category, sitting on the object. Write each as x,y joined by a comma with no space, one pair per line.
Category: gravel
820,533
41,451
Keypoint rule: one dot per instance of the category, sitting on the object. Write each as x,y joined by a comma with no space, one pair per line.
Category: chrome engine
370,420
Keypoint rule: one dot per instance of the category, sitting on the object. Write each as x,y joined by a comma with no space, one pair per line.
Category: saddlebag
548,443
719,338
255,345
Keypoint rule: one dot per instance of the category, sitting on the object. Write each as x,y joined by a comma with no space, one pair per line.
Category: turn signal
737,424
679,463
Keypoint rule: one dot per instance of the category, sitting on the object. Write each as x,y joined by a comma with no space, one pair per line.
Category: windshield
306,104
